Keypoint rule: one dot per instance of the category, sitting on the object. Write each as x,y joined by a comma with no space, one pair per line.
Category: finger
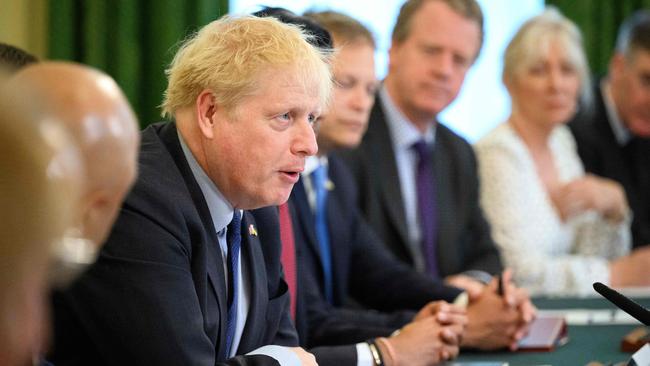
450,351
444,355
450,335
452,319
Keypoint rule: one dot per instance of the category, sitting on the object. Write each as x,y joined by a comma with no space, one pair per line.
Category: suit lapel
216,275
386,176
252,256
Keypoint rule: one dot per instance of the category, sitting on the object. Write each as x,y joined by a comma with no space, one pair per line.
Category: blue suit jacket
363,269
156,295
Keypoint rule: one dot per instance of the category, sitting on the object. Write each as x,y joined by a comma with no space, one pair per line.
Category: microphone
624,303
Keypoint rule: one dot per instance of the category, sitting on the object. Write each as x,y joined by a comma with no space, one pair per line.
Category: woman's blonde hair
533,40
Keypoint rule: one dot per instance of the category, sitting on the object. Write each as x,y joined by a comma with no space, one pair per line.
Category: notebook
546,333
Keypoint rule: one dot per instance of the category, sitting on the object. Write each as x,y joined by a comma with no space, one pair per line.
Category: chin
641,129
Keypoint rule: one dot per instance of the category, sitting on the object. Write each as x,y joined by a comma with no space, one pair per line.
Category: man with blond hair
184,278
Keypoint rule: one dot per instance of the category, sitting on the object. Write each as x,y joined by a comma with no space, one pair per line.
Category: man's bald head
40,176
100,119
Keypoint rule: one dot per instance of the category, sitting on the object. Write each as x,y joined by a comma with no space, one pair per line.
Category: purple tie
427,213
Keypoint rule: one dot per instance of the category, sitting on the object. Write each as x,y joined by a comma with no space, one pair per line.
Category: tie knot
422,149
235,226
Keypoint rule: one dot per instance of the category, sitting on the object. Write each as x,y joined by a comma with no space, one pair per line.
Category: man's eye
312,119
285,116
344,84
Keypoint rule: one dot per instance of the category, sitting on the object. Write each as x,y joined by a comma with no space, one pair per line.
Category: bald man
104,127
39,178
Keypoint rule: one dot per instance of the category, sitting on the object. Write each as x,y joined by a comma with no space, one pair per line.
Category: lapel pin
329,185
251,230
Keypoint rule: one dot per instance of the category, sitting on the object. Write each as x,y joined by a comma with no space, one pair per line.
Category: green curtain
131,40
599,21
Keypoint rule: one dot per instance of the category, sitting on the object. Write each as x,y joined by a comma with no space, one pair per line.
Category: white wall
483,102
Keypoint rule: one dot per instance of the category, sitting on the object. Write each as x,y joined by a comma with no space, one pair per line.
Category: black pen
500,284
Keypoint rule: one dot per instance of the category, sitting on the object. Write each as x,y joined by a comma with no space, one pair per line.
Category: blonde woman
558,228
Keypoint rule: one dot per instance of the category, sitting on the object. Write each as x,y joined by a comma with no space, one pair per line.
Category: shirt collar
403,131
621,132
312,163
221,211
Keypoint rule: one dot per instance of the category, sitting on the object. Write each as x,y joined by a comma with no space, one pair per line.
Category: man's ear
206,108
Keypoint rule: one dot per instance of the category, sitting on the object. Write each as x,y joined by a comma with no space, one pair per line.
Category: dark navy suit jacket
156,295
464,241
362,270
630,166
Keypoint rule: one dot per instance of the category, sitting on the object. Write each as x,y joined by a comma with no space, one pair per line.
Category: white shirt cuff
284,355
364,357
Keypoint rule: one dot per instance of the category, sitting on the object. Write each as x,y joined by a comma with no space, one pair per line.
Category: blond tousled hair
229,55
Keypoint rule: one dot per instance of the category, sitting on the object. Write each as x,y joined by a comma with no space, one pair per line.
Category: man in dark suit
444,232
183,278
338,336
354,263
613,137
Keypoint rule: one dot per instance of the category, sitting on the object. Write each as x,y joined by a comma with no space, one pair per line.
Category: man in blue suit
183,278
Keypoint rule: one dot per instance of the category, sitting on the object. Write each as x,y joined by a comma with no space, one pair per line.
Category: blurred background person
417,178
613,137
40,174
94,110
344,259
360,267
557,228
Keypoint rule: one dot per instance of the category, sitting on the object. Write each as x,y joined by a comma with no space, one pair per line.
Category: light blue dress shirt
221,212
404,134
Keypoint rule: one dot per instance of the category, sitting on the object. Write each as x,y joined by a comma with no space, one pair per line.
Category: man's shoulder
453,144
160,186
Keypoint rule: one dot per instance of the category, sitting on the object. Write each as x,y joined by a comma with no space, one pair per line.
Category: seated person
40,175
91,105
558,228
613,136
338,249
184,277
418,180
318,322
